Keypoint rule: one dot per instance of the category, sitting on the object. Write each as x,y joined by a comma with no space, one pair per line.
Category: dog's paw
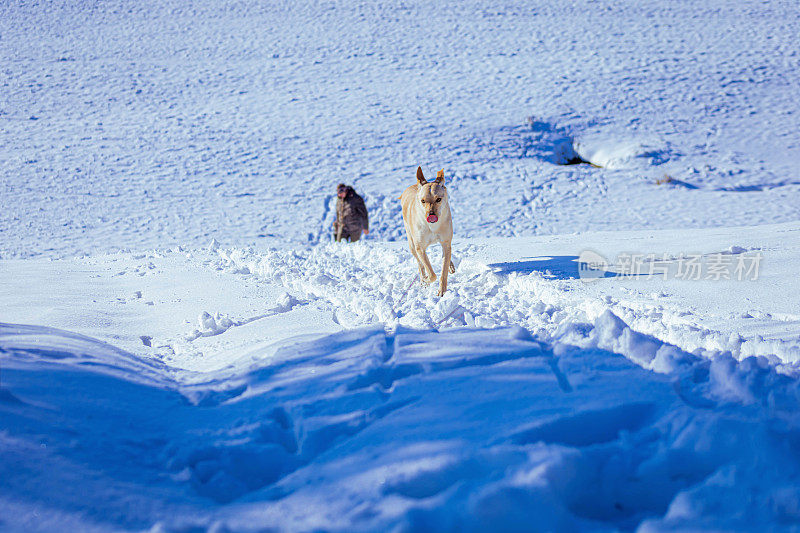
442,290
427,280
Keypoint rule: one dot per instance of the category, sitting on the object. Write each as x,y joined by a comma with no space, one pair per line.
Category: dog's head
431,196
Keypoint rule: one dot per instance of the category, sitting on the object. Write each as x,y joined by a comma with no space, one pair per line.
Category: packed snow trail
417,430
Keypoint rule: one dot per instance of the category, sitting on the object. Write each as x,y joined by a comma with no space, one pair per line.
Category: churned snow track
198,309
372,283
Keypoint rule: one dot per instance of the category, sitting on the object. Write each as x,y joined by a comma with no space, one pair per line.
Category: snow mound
613,154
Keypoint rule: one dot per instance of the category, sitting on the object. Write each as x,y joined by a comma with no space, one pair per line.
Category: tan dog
427,218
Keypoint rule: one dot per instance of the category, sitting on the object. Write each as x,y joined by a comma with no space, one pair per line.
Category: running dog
427,218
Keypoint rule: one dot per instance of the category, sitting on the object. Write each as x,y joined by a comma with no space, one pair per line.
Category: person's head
341,190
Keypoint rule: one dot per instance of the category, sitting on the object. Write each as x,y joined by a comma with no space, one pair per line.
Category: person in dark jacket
351,215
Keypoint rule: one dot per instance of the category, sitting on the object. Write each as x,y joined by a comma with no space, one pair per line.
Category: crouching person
351,215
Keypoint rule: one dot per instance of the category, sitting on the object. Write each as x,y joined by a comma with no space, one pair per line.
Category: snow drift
367,430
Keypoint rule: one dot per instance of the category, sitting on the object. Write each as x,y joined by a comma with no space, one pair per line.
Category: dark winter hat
341,188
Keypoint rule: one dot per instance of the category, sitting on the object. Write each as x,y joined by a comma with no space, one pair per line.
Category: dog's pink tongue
432,218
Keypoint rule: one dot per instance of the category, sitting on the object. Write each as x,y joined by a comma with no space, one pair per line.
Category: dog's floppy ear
420,178
440,177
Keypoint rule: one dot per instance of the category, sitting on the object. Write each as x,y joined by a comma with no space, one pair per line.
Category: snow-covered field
182,347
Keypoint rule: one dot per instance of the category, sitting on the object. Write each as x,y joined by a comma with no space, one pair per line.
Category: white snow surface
164,122
183,348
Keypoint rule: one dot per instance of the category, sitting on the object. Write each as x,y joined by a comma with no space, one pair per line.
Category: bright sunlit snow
183,347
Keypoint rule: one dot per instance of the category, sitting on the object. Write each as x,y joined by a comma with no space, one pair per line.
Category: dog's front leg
452,266
422,273
430,276
445,268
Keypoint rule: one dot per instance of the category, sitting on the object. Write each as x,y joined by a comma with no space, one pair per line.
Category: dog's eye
438,200
423,201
